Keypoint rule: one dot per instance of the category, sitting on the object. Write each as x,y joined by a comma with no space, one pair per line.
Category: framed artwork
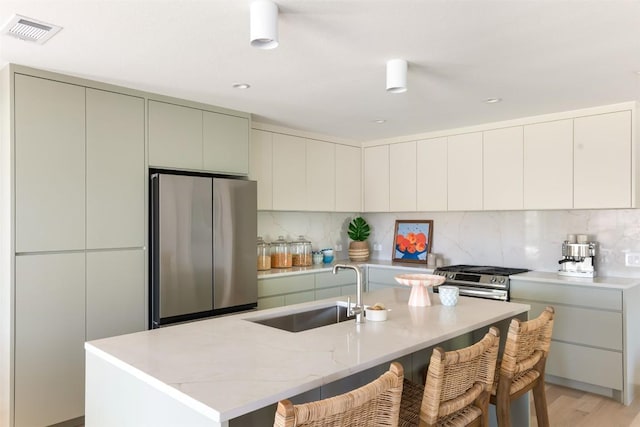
412,240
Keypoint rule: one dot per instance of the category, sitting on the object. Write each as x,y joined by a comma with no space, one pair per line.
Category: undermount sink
312,318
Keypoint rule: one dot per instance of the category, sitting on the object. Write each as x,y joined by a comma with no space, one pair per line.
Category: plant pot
358,251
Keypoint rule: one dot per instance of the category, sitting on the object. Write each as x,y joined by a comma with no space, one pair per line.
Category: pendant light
397,75
264,24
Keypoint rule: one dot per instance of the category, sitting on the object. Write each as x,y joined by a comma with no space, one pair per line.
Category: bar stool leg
540,401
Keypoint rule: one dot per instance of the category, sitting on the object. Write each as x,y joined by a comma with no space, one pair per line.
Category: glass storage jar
264,255
301,250
281,256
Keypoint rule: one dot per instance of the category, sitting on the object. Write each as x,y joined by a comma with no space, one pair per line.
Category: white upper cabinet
175,136
50,165
183,137
348,178
320,176
502,169
602,161
402,177
289,173
548,165
261,167
303,174
225,143
431,175
376,179
115,170
464,172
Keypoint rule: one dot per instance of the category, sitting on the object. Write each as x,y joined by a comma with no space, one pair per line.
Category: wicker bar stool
522,367
374,404
456,392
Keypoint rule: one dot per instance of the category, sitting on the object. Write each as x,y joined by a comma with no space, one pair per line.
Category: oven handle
503,286
486,293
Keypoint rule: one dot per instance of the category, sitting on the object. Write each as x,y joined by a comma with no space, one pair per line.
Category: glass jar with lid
281,256
264,255
301,250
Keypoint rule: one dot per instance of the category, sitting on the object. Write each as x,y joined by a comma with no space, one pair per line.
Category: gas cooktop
482,269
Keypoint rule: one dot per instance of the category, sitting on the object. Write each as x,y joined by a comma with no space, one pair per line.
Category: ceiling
328,74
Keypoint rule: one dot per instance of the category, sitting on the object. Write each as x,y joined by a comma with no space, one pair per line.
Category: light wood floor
568,407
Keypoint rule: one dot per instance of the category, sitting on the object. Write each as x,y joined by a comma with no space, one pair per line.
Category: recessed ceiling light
241,86
379,121
492,100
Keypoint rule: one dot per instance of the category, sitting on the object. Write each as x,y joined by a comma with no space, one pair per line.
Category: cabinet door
376,179
348,179
431,175
115,170
175,136
321,175
225,143
502,169
50,165
49,338
464,172
548,165
115,293
289,173
402,177
602,161
261,167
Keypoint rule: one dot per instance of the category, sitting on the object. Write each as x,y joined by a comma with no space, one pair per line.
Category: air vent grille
29,29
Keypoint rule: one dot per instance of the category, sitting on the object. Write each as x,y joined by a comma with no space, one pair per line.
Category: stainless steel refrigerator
203,256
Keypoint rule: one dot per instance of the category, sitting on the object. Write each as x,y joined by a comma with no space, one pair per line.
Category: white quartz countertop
228,366
600,282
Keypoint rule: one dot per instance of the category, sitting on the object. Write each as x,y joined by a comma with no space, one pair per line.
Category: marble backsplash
528,239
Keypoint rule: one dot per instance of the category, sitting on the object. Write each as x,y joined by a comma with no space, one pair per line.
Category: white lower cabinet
281,291
593,346
49,338
379,277
115,293
294,289
63,300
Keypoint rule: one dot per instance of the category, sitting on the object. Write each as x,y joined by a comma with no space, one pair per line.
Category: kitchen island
210,372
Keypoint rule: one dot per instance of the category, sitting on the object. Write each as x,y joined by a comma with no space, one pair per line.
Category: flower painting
412,240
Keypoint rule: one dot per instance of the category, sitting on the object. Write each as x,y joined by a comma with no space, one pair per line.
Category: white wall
528,239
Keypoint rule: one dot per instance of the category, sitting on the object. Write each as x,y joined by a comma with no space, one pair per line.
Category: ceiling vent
29,29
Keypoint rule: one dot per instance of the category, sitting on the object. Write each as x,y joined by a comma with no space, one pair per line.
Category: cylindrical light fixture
397,75
264,24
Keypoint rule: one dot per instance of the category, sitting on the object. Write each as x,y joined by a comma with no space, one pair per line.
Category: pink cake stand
420,284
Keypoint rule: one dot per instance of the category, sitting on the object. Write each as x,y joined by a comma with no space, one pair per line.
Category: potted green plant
358,232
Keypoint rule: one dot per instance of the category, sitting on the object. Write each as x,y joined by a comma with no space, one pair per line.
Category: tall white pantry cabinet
73,237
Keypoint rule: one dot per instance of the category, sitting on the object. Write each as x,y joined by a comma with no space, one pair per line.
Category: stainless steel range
479,281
